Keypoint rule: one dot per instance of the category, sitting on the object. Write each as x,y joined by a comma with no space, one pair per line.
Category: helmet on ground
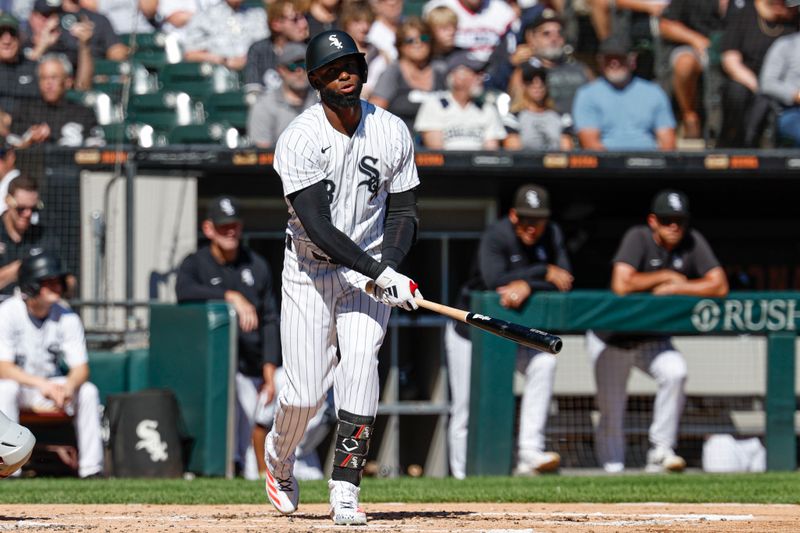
16,446
37,267
328,46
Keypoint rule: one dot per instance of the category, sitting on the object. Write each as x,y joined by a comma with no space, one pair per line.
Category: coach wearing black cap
664,257
227,270
518,255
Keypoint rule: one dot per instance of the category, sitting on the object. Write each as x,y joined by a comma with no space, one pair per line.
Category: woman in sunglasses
404,85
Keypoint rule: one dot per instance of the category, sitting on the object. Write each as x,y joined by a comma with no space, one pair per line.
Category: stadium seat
209,133
110,77
198,79
163,110
230,106
154,50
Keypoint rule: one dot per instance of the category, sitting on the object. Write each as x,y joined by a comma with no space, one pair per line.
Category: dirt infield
400,517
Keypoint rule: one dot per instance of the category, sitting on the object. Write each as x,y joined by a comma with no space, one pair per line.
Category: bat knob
556,345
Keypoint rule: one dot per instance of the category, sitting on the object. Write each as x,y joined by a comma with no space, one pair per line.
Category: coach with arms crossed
664,257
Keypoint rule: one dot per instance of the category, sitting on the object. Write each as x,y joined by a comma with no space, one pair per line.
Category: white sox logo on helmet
335,42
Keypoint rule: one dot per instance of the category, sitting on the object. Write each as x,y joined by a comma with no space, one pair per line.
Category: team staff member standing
664,257
349,179
518,255
44,364
228,270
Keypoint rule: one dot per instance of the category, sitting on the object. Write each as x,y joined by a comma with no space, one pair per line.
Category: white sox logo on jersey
372,174
335,42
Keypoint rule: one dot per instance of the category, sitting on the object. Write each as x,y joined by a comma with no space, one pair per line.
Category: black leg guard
352,444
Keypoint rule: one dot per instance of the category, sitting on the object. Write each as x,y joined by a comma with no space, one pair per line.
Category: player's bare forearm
625,279
77,376
9,370
713,285
8,274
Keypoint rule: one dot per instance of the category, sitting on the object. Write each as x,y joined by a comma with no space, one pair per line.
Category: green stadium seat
208,133
230,106
153,50
163,110
198,79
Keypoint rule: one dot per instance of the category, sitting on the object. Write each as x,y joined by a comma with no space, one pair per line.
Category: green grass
688,488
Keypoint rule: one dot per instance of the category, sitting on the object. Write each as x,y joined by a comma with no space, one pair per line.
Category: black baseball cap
547,15
47,7
224,210
615,45
670,203
532,201
464,58
533,71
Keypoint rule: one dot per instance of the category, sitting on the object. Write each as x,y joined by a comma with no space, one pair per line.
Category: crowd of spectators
684,51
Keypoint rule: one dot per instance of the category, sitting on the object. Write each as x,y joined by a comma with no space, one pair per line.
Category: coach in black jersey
518,255
227,270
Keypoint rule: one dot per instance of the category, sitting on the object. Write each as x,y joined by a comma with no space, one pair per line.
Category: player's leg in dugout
612,367
459,365
539,371
247,388
668,368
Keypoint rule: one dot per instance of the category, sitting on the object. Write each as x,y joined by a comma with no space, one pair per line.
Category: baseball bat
530,337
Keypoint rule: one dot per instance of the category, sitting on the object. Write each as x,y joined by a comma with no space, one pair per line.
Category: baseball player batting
349,179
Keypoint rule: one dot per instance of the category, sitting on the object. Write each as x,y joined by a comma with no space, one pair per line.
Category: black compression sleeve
314,211
400,231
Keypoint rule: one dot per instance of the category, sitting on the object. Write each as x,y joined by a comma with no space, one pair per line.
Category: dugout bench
774,314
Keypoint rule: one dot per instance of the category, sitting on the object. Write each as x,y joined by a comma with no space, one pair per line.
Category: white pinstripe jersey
359,171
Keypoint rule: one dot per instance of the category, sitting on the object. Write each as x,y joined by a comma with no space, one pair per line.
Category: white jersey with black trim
41,348
359,171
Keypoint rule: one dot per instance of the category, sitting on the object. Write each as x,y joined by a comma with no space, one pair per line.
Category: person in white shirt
43,358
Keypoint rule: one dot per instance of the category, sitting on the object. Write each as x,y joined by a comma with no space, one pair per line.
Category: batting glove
398,290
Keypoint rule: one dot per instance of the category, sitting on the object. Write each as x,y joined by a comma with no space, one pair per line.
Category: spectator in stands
443,23
750,31
534,123
17,73
227,270
404,85
176,14
780,80
459,120
19,235
43,359
481,23
602,12
356,19
620,111
665,257
322,15
125,16
8,171
688,27
276,108
286,24
383,32
47,37
54,118
544,46
223,34
519,255
104,43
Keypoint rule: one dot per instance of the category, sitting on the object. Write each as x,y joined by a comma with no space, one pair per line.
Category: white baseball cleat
538,463
284,494
664,460
16,446
344,504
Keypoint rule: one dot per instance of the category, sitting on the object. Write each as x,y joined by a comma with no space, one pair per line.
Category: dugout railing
774,315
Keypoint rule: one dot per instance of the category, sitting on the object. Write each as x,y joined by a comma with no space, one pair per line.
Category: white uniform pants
85,407
323,308
539,369
612,367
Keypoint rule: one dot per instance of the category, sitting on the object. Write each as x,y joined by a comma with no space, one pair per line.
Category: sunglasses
297,17
667,221
530,221
11,31
22,209
425,39
295,66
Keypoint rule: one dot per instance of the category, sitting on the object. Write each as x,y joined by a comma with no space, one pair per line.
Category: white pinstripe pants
324,307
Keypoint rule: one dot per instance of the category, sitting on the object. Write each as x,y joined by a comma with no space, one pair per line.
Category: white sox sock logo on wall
371,172
151,441
335,42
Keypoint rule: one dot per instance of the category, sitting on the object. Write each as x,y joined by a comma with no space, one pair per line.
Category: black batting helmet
38,267
329,46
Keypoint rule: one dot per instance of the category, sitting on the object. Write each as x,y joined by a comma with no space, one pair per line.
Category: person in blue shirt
620,111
